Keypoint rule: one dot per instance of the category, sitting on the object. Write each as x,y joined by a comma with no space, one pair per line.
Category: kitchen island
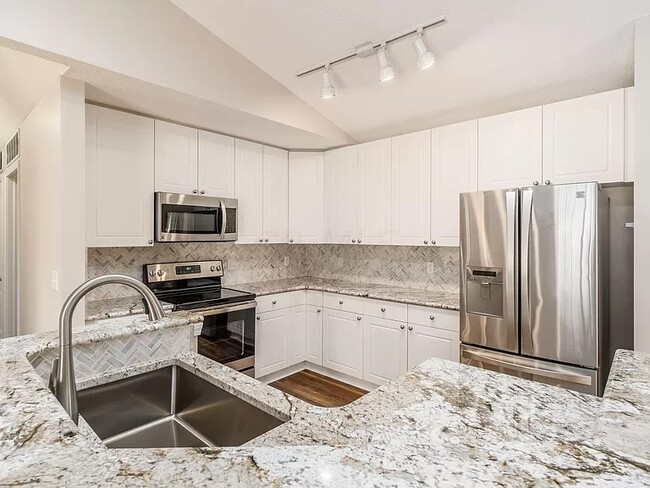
441,424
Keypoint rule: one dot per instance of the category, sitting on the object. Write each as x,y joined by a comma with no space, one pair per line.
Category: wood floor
318,390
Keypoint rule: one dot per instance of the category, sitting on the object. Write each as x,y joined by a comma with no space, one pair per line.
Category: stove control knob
152,273
160,272
213,268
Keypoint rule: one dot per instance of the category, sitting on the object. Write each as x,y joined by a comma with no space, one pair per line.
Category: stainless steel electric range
228,332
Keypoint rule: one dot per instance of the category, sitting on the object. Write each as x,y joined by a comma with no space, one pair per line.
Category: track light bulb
426,59
327,90
386,71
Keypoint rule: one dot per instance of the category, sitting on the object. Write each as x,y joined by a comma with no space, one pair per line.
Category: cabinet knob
535,183
431,317
150,241
426,242
547,182
194,191
358,318
433,243
266,240
318,310
258,317
359,241
261,240
401,326
202,192
383,309
290,240
340,302
353,241
273,302
410,327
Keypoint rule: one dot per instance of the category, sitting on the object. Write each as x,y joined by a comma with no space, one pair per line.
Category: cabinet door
119,178
248,190
428,342
295,335
314,334
375,192
306,197
411,202
176,158
275,191
216,165
510,149
343,342
341,191
384,349
271,342
630,133
453,171
584,139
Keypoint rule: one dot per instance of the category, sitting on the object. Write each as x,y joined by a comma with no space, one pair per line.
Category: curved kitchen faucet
62,382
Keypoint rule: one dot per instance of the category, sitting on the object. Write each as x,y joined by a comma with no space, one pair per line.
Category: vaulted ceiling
493,56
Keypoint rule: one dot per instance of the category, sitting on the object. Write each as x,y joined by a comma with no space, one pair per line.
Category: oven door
191,218
228,335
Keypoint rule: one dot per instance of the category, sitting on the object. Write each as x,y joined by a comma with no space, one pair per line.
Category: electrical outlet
231,264
430,268
286,260
339,262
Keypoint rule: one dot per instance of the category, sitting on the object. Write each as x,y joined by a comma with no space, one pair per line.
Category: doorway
9,247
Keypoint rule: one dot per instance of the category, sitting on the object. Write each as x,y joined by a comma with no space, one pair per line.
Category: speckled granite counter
414,296
442,424
110,308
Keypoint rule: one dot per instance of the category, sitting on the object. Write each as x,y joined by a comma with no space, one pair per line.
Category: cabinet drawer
434,317
385,310
314,298
280,300
345,303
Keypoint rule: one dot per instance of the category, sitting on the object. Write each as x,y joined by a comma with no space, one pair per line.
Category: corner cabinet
411,192
584,139
306,199
341,195
119,178
275,195
510,150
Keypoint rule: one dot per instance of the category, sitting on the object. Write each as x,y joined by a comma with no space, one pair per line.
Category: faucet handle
53,375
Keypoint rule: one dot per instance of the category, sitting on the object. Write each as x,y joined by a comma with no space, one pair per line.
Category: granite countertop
442,424
110,308
414,296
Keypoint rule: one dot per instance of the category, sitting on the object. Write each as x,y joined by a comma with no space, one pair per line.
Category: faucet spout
62,381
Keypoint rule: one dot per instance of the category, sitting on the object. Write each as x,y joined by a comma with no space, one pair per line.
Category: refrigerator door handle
511,265
566,376
526,215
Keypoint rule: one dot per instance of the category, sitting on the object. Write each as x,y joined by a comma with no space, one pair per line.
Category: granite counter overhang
441,424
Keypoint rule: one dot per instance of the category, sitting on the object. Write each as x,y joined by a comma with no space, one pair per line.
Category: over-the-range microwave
194,218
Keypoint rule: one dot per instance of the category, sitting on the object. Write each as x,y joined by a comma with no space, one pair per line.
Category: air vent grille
13,148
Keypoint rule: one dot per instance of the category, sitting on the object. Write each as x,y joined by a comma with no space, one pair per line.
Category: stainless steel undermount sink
171,407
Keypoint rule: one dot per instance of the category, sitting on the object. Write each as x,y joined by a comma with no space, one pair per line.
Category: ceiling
23,81
493,56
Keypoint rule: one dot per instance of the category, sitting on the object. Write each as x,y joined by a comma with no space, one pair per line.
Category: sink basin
171,407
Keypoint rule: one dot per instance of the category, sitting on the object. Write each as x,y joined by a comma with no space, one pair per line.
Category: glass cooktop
193,299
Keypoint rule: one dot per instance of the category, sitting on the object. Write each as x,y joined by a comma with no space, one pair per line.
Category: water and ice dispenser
484,291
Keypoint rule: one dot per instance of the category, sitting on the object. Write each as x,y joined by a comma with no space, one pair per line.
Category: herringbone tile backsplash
390,265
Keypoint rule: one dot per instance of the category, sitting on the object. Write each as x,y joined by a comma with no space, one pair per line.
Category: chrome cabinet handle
150,241
547,182
318,310
258,317
353,241
273,302
202,192
431,317
195,191
290,240
535,183
433,243
358,318
359,241
340,302
266,240
410,327
426,242
383,309
261,240
401,327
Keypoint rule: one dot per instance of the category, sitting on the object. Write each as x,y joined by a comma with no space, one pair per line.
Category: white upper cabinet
248,190
630,133
306,197
341,195
584,139
176,158
411,191
275,190
454,157
510,149
216,165
119,162
374,192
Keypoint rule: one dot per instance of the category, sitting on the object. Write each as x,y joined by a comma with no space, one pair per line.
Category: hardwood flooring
318,390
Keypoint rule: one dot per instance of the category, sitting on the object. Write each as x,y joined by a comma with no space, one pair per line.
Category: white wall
52,204
642,187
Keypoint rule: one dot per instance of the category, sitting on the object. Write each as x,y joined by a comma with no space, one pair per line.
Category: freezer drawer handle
557,375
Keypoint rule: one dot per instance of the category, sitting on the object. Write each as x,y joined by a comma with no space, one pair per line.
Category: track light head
327,89
386,71
426,59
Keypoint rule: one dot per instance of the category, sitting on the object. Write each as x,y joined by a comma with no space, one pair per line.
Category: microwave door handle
224,219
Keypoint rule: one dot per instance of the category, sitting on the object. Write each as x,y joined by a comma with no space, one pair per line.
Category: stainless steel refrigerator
534,299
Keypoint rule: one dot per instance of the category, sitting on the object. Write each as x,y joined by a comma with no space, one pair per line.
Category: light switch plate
430,268
286,260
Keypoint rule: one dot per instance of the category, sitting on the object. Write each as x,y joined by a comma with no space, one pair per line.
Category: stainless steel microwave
193,218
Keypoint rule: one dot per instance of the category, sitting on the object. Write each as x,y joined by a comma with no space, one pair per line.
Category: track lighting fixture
426,59
327,90
386,71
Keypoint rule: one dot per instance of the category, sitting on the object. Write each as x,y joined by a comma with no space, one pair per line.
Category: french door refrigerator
533,283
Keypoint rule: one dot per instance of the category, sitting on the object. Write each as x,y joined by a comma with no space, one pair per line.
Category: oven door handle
208,312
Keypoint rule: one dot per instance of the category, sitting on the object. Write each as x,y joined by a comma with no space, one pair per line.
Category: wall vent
13,148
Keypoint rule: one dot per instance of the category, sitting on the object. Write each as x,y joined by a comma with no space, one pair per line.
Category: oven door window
189,219
228,337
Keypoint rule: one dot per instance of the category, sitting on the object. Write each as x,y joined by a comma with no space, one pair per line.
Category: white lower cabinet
314,334
295,335
426,342
343,342
384,349
270,337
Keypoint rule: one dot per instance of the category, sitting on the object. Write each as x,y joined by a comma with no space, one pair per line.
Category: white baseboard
350,380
